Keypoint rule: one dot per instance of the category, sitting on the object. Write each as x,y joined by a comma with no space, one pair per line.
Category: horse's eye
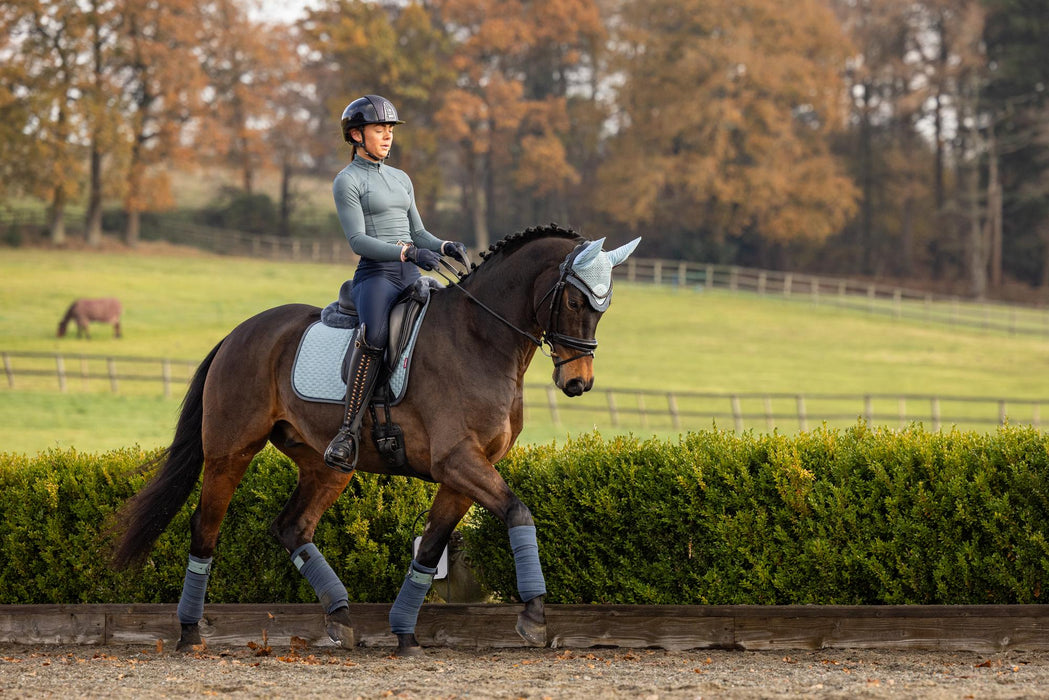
574,304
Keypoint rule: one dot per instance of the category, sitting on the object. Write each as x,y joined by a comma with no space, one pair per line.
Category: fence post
551,401
708,277
675,417
737,414
902,410
761,282
682,274
868,409
8,371
936,414
788,282
1001,411
613,414
814,286
657,272
165,370
111,366
897,302
803,418
60,367
733,280
769,423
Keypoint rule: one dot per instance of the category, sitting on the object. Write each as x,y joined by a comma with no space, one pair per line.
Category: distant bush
241,211
861,516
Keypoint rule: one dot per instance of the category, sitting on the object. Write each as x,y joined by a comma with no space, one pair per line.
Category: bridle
584,346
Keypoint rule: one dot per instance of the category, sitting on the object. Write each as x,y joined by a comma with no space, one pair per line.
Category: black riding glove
423,257
455,250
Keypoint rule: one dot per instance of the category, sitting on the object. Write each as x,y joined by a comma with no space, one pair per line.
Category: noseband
584,346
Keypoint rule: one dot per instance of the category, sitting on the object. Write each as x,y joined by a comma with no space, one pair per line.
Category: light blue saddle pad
317,372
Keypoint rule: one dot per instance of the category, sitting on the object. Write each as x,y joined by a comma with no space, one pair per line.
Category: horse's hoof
340,628
407,645
189,638
531,630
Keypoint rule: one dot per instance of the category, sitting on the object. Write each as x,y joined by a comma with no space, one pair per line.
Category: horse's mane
515,241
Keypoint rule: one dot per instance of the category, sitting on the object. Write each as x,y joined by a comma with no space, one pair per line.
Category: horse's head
576,302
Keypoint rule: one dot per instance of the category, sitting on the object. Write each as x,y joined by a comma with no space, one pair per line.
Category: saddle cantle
318,373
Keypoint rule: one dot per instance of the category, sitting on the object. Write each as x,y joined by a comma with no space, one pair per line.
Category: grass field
179,304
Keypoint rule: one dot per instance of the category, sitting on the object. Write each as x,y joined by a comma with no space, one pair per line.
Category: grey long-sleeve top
376,207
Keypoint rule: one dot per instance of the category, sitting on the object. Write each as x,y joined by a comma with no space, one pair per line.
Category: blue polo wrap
326,584
405,610
530,581
194,586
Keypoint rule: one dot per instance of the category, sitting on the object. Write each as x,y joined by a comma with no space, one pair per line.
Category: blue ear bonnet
589,269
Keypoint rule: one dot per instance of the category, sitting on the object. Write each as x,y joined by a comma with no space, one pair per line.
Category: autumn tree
518,63
162,85
38,105
726,110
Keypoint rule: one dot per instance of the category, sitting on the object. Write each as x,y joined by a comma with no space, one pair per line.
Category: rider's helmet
370,109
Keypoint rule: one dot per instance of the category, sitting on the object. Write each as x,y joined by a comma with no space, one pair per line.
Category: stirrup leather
364,369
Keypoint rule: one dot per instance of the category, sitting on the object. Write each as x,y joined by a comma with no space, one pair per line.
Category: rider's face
378,139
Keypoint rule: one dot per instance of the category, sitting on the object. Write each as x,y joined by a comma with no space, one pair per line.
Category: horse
545,287
83,311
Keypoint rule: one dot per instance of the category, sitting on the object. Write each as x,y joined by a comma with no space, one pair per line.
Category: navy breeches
376,286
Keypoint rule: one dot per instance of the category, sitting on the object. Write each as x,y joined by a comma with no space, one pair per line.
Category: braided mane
514,241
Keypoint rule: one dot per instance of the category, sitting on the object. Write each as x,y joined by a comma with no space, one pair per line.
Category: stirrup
341,454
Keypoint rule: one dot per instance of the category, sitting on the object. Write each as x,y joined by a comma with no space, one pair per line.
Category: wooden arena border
980,628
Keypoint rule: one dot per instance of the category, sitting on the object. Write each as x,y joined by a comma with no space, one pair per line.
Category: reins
586,347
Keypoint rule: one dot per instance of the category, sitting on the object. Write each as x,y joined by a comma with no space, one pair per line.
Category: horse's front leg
317,489
486,487
448,508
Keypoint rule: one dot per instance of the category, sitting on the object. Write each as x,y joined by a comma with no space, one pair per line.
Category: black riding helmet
370,109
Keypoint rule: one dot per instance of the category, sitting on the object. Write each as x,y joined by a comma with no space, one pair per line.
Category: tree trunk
93,220
994,210
977,240
284,225
57,219
477,202
134,227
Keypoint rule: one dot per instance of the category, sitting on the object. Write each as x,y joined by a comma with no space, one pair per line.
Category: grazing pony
83,311
462,411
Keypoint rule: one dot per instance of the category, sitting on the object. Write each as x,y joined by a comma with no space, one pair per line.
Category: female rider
376,207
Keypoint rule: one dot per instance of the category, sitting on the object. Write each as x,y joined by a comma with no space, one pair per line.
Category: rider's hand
423,257
455,250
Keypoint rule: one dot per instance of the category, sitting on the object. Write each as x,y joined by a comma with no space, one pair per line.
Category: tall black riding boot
363,369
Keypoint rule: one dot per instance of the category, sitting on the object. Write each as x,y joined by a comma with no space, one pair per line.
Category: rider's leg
373,295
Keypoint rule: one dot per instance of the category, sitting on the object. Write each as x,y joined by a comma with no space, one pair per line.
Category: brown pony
462,411
83,311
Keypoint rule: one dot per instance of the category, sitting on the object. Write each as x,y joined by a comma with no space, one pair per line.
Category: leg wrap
311,564
195,585
405,610
530,581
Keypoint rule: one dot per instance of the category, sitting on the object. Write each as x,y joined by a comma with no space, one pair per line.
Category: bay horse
462,412
83,311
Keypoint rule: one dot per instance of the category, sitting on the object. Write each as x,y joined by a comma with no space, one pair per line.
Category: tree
38,109
726,112
162,85
518,62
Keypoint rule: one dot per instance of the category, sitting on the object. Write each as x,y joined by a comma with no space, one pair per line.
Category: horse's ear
622,252
588,254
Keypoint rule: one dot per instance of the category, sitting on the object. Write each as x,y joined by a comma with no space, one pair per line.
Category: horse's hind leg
116,329
448,508
318,488
221,476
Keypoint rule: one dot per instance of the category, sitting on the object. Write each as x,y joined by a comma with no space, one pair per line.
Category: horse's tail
152,509
65,320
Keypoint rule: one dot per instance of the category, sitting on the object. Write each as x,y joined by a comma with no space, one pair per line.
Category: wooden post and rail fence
870,297
605,408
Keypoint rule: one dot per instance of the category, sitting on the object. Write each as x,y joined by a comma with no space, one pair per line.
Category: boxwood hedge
857,516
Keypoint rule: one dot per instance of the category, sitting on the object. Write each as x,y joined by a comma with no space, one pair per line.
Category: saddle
404,314
404,318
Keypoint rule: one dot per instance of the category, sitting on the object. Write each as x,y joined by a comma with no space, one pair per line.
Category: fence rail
611,408
871,297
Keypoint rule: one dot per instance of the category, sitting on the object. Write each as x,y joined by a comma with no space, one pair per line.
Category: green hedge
56,507
860,516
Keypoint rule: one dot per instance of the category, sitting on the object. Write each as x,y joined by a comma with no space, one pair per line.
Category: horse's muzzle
575,378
